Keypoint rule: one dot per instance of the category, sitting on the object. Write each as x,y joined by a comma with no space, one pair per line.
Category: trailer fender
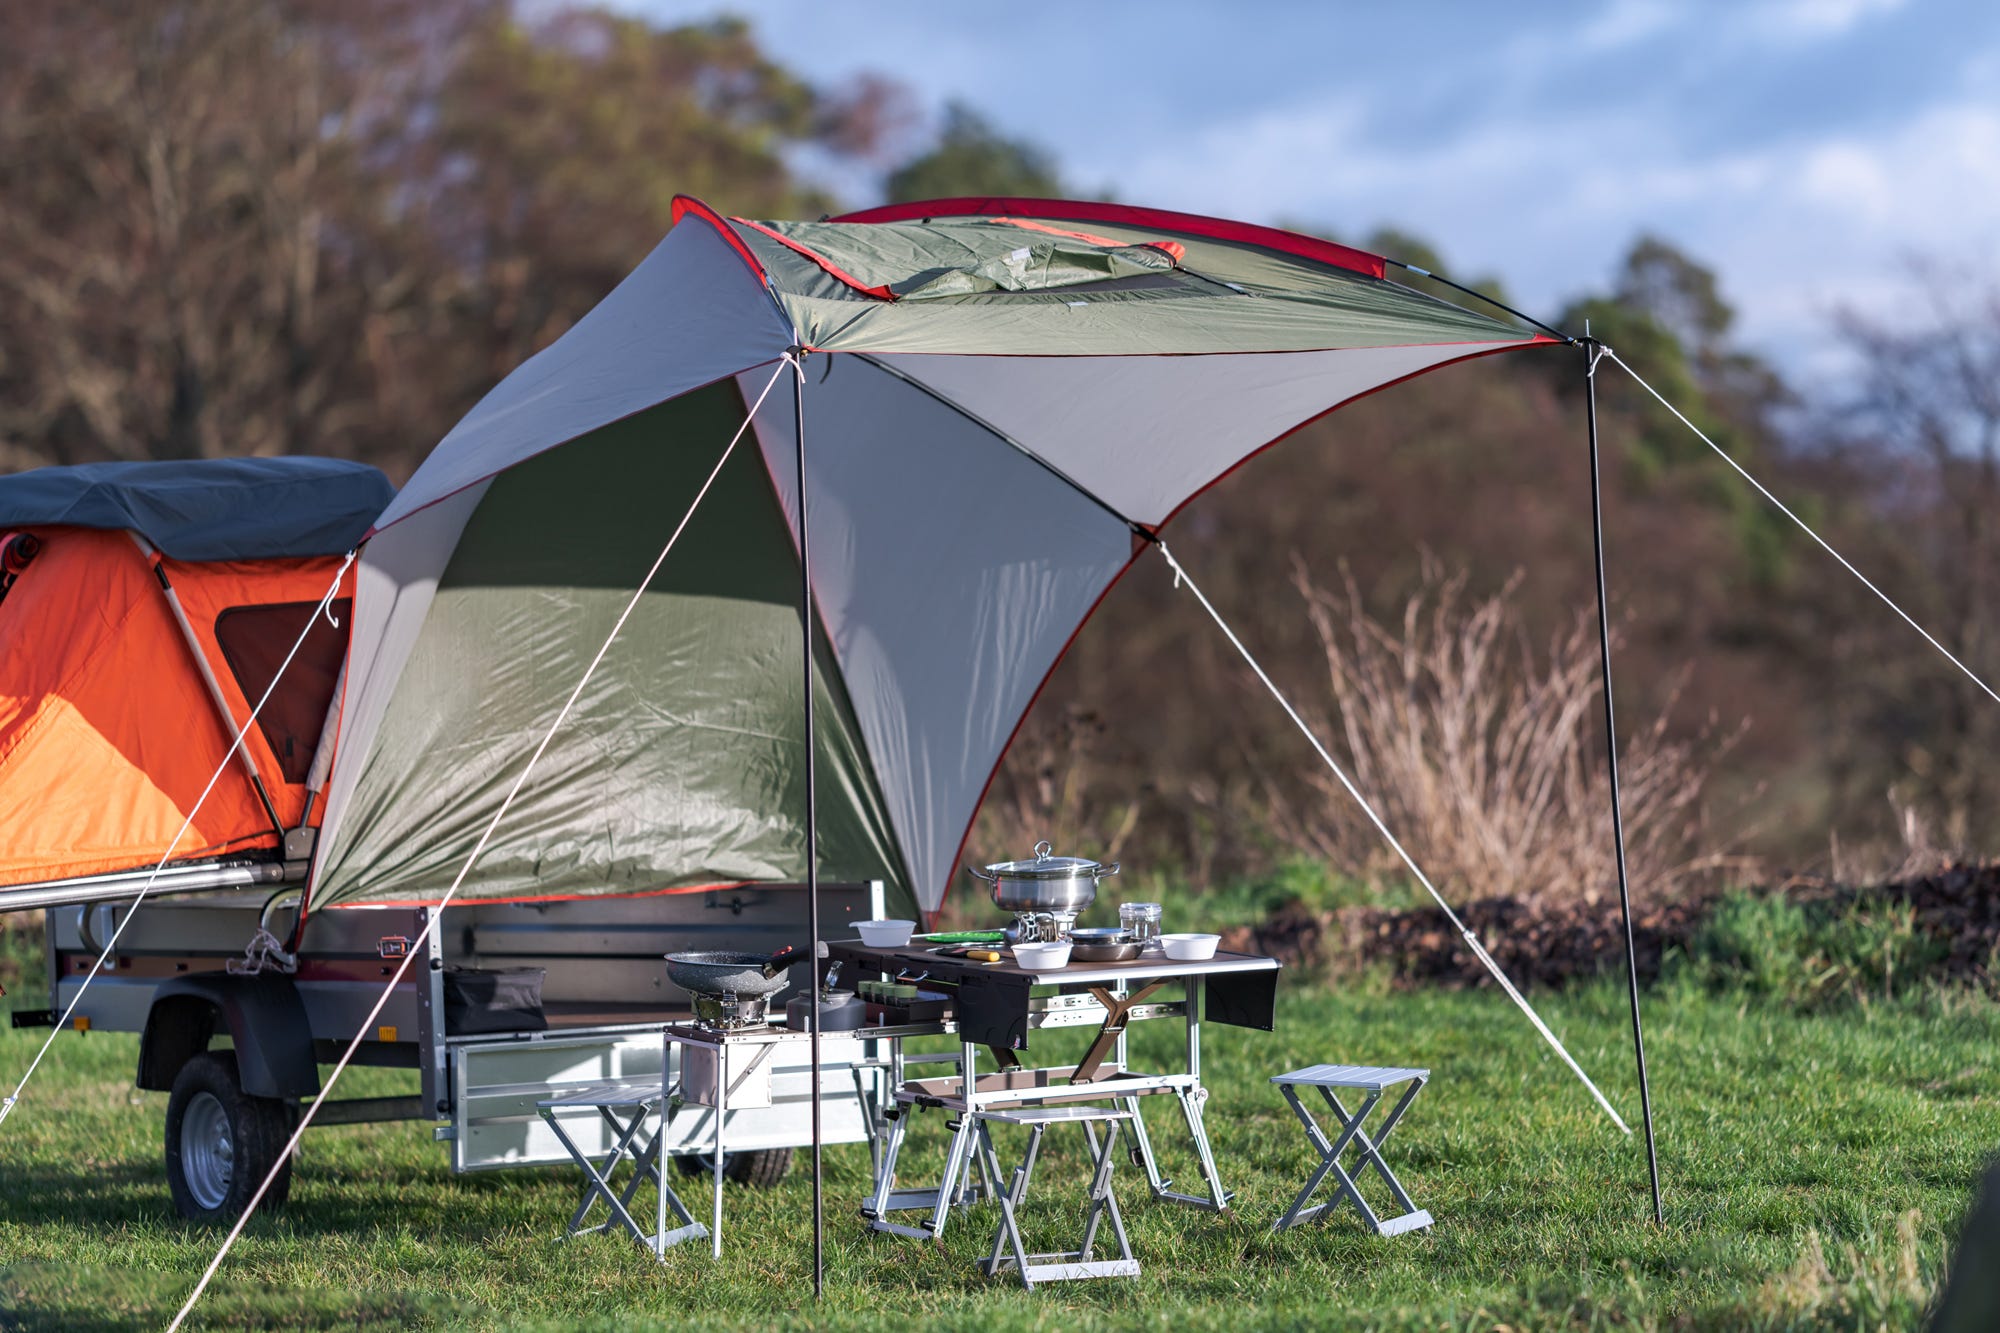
266,1021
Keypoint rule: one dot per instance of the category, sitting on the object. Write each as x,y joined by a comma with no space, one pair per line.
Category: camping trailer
146,608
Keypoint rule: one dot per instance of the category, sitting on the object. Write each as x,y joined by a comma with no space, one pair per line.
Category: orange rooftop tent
144,609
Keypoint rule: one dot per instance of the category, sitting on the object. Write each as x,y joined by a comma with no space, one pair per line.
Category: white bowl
1189,948
885,934
1042,957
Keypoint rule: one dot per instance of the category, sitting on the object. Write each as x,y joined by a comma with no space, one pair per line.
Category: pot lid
1045,866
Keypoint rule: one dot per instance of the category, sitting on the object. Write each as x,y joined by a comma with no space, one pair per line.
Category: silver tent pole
240,751
1592,351
812,814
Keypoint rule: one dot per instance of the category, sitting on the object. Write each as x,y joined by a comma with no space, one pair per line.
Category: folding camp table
996,1006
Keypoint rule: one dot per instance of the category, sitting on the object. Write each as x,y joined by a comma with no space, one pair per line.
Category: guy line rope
417,945
1723,454
229,756
1472,941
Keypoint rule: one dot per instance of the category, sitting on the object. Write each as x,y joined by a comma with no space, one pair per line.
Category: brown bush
1484,756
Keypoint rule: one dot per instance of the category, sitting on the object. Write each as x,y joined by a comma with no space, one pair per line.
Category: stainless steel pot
1046,884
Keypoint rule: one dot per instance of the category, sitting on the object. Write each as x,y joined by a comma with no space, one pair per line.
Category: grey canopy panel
1145,433
950,571
689,315
682,763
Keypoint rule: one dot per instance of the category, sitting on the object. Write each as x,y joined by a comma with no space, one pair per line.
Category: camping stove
731,1013
1042,927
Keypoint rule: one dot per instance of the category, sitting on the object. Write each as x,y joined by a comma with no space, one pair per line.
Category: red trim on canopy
685,204
549,897
1194,224
832,269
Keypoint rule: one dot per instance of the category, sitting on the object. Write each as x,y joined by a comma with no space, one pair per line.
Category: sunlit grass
1793,1146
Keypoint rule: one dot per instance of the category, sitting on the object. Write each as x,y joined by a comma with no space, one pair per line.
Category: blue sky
1807,149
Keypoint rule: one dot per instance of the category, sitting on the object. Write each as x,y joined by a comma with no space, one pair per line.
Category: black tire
221,1143
761,1169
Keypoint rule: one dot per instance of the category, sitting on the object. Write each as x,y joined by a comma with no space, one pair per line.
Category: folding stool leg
955,1161
587,1198
1010,1202
596,1182
1329,1162
1142,1150
1191,1101
1371,1155
642,1158
1111,1197
1102,1198
885,1170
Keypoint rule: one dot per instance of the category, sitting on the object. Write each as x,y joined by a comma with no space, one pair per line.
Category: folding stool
642,1101
1060,1265
1374,1080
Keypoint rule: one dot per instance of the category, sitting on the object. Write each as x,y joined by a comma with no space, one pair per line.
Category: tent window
254,641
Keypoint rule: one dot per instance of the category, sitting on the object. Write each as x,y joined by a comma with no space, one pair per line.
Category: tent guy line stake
1594,352
1471,941
430,923
235,745
1803,527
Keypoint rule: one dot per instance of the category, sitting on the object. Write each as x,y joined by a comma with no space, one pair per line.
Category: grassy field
1817,1166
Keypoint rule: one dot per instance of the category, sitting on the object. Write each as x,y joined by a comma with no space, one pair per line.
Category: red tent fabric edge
1072,210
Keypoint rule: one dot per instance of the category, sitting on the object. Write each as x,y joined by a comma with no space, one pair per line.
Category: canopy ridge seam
417,946
1486,960
1482,296
235,745
1803,526
1012,443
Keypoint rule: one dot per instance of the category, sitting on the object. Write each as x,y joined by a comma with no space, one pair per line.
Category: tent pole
1593,350
241,751
812,813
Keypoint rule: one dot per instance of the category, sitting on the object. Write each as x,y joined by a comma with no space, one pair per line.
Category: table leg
1197,991
721,1119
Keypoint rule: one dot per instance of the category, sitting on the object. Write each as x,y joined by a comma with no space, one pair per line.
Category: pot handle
981,874
1106,872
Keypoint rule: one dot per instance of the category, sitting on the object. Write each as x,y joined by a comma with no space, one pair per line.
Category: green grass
1786,1135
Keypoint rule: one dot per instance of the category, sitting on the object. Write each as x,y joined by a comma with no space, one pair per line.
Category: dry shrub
1060,784
1483,756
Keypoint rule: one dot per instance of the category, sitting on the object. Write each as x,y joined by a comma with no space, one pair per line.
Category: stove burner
1043,927
731,1013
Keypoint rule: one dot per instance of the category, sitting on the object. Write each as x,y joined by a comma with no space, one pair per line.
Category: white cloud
1795,230
1818,18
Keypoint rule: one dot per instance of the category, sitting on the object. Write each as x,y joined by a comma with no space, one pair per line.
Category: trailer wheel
763,1168
221,1143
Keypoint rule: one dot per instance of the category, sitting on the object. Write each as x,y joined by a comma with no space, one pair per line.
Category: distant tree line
328,226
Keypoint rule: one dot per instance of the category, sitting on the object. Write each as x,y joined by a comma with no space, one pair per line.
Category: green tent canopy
1004,400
